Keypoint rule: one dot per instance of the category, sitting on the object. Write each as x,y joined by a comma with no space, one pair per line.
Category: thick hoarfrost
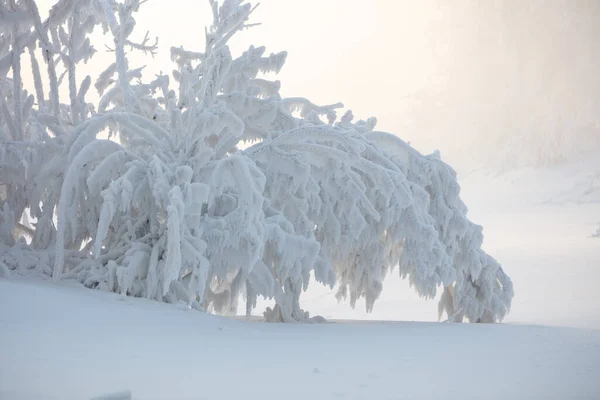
168,208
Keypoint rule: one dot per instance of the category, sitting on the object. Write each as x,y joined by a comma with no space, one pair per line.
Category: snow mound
148,193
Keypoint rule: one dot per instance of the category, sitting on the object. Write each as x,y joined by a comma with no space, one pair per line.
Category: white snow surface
65,342
72,343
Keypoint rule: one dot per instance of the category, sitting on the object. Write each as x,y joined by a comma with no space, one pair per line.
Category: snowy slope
70,343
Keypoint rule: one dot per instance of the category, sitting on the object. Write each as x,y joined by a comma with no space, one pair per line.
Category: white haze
495,84
477,80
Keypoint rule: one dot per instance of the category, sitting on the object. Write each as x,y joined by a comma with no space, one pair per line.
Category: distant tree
169,208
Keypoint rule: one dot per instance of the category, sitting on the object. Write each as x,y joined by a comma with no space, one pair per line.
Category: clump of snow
4,271
168,207
114,396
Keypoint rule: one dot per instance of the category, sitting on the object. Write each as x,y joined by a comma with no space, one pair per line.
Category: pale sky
364,53
360,52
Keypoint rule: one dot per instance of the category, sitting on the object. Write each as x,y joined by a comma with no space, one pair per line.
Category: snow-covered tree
167,207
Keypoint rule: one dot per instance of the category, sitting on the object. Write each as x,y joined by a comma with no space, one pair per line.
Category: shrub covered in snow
169,208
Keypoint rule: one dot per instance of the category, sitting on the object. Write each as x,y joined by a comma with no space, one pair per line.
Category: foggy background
494,85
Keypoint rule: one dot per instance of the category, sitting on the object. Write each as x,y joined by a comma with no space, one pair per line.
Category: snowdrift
59,342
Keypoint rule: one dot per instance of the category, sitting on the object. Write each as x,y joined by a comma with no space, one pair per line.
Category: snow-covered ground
70,343
64,342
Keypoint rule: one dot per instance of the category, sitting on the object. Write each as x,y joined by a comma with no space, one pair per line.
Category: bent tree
148,193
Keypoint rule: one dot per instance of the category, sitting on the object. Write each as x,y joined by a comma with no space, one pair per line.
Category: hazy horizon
473,80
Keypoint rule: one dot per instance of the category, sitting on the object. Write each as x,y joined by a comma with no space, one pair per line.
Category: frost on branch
170,209
479,289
